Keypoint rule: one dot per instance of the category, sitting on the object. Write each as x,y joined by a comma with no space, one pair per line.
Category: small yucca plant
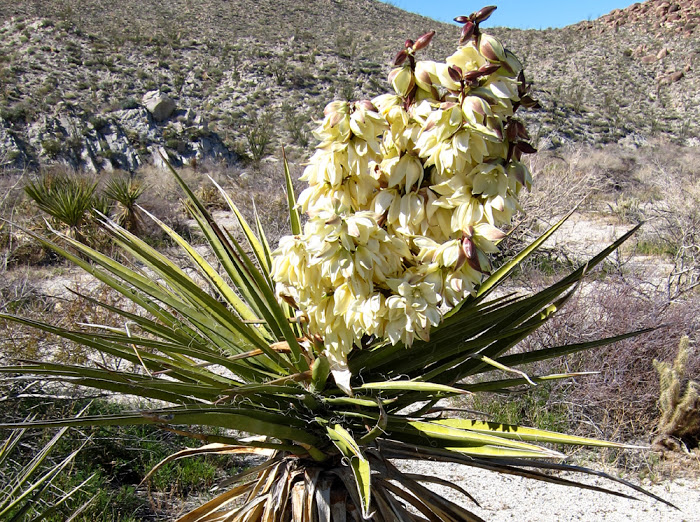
333,350
67,199
125,192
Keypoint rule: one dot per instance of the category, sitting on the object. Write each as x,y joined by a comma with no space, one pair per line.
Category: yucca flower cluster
407,195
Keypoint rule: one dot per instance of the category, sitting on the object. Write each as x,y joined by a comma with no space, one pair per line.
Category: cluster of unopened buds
407,195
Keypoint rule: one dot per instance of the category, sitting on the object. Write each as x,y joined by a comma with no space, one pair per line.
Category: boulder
158,104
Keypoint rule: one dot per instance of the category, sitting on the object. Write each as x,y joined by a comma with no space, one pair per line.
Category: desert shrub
258,132
52,148
295,124
619,402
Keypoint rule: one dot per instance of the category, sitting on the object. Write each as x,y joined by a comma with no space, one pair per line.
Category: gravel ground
504,497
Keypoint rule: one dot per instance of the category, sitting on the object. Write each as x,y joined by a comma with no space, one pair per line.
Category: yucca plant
67,199
330,354
125,192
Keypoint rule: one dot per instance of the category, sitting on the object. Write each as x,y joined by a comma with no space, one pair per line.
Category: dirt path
507,498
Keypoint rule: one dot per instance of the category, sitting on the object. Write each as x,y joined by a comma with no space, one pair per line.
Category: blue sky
523,14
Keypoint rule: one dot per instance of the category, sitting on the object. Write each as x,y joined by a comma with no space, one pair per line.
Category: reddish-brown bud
529,102
522,84
408,43
522,131
469,248
467,31
511,131
516,130
491,48
400,57
455,73
488,68
335,119
471,76
483,14
518,171
462,19
525,147
423,41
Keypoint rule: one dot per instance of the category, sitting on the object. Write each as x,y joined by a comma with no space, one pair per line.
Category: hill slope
73,75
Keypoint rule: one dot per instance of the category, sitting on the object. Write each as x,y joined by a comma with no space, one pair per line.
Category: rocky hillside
659,16
102,85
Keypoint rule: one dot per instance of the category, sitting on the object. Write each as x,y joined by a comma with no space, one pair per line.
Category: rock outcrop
123,139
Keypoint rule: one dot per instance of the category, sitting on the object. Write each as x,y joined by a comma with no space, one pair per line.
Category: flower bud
495,125
512,64
335,107
473,105
408,43
529,102
471,76
491,48
525,147
335,118
511,131
366,105
521,131
522,84
462,19
488,68
455,73
520,172
483,14
467,32
400,57
468,248
423,41
422,74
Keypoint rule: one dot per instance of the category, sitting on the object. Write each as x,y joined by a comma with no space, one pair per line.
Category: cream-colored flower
404,172
488,179
467,58
411,310
402,80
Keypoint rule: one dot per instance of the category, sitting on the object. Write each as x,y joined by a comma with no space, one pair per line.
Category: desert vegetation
620,160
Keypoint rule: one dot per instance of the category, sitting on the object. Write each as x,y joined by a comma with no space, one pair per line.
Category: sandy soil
507,498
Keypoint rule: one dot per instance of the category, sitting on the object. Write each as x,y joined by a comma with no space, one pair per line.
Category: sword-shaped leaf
294,219
359,464
522,433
